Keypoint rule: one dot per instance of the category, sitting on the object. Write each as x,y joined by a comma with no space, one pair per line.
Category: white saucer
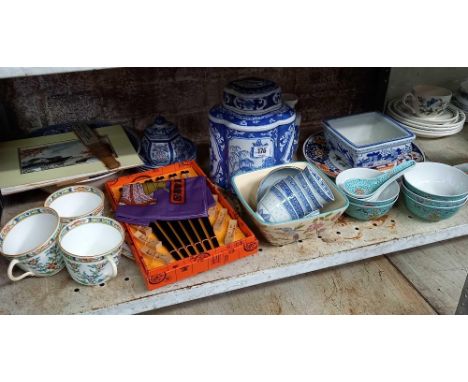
450,115
396,108
429,134
428,129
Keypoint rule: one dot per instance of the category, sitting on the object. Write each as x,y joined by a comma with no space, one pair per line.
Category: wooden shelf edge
261,276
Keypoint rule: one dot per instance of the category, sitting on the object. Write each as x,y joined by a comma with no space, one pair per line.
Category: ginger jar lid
161,130
252,96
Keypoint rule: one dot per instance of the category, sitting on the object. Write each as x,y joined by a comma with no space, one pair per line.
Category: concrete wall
403,79
133,96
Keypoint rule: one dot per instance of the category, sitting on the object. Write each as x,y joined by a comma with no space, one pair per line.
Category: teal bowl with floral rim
388,196
429,213
431,202
437,181
363,212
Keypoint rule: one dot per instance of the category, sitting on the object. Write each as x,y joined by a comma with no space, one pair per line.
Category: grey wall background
401,80
132,97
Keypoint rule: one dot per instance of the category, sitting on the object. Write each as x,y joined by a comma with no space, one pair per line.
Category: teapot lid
161,129
252,96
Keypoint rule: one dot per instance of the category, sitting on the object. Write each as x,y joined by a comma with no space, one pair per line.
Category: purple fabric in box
180,199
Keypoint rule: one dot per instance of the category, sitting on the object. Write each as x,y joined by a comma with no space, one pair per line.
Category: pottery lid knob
252,96
161,129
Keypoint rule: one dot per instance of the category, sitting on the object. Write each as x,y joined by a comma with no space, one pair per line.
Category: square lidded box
368,139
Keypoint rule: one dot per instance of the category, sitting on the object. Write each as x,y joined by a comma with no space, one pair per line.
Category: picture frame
46,160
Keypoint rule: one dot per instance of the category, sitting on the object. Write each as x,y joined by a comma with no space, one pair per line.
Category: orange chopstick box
154,260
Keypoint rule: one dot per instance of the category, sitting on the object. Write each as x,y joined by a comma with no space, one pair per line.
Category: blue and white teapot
252,129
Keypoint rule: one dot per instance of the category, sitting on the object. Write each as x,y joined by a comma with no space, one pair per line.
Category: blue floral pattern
252,95
289,194
316,152
252,129
371,155
162,145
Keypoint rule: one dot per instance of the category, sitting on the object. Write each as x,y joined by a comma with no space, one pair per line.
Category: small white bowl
76,202
437,180
390,193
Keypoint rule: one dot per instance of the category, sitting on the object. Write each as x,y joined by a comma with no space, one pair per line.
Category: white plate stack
450,122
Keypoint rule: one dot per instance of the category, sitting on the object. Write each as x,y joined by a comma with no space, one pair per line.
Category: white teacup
76,202
91,248
427,100
29,242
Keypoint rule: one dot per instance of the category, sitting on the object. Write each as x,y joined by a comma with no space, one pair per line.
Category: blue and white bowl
308,206
286,201
273,177
321,190
305,187
275,207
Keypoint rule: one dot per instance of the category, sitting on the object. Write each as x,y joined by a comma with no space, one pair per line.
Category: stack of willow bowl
368,210
435,191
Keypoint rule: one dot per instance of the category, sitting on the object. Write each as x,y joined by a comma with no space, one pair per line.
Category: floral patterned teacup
91,248
76,202
29,242
427,100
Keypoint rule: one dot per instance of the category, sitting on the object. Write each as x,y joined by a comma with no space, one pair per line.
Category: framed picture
35,162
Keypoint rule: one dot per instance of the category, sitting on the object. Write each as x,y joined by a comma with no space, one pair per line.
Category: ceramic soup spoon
367,189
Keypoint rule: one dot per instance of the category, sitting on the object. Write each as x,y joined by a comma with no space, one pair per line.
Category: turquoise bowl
429,213
432,196
377,203
431,202
362,212
388,196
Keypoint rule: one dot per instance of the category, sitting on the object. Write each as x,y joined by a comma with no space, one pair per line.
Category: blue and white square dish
367,139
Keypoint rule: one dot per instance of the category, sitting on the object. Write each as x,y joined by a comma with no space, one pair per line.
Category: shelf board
349,241
13,72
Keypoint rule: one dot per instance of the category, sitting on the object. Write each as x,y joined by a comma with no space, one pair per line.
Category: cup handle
113,265
10,272
404,100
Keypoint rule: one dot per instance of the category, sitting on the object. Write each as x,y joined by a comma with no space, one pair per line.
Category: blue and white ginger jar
252,129
162,144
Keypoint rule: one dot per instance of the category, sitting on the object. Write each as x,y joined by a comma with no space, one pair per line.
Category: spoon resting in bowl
370,189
